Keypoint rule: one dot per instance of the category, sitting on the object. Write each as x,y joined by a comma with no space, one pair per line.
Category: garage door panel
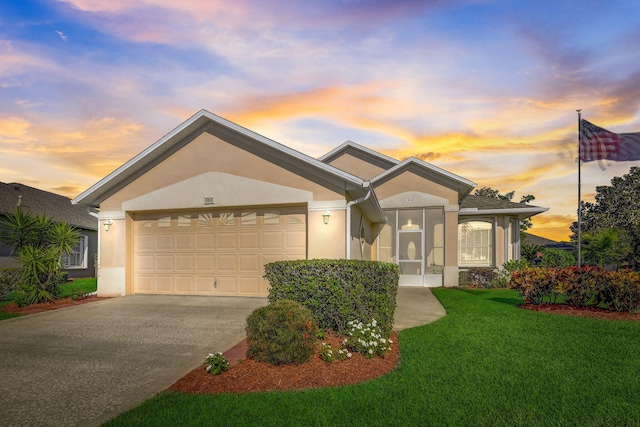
227,285
227,241
205,241
205,284
249,285
146,242
296,240
227,263
144,284
145,263
272,239
185,242
165,284
205,263
249,263
248,240
165,242
185,263
165,263
185,284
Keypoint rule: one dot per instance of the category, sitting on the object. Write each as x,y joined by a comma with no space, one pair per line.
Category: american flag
597,143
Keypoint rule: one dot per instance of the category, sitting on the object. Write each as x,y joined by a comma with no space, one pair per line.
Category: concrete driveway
83,365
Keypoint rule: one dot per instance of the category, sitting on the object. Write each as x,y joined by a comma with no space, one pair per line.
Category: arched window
475,243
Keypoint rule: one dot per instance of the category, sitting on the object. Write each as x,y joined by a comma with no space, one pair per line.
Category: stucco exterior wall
408,182
356,166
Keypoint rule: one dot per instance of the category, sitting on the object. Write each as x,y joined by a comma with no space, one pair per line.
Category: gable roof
481,205
433,173
205,121
57,208
360,152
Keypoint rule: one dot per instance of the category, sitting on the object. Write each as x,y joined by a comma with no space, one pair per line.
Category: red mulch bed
250,376
48,306
594,312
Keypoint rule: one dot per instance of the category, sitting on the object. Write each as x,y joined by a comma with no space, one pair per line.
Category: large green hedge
338,291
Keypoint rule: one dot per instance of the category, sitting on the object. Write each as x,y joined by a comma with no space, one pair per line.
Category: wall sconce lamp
107,225
325,216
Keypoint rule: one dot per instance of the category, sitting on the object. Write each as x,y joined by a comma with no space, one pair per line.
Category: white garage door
214,252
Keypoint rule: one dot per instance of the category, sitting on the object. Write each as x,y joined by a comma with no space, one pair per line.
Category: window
475,244
78,257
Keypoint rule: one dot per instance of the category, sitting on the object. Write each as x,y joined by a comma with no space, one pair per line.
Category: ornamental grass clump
367,339
283,332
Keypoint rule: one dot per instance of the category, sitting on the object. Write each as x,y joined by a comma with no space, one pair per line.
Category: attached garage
214,252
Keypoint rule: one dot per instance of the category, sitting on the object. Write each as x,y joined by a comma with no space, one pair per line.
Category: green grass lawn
487,363
76,286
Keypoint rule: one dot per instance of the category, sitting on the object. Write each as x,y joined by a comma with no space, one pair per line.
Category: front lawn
486,363
69,289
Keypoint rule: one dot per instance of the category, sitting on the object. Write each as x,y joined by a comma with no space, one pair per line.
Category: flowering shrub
367,339
328,355
616,290
216,363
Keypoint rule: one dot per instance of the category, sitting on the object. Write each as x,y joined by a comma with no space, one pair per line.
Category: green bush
9,279
621,291
283,332
533,284
481,277
337,291
615,290
463,278
556,258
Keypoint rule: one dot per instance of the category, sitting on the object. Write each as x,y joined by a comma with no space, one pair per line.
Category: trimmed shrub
283,332
616,290
481,277
463,278
337,291
621,290
533,284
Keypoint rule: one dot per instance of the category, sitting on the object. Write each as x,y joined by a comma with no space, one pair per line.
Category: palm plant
40,244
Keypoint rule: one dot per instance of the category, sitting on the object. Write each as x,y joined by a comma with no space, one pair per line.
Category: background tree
616,206
525,224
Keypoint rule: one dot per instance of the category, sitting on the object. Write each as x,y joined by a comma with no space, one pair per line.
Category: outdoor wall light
107,225
325,216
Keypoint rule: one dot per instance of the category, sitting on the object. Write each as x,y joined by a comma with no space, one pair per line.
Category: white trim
356,146
333,205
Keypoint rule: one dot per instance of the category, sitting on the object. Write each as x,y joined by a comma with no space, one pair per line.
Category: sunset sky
485,89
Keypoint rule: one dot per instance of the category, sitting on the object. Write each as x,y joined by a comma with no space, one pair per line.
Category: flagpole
579,189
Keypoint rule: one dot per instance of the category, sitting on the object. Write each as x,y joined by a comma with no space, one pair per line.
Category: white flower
370,351
349,354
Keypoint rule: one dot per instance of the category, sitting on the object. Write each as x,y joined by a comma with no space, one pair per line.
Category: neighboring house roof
57,208
205,121
481,205
532,239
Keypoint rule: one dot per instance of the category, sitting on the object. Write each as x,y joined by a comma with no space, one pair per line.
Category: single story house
81,263
202,210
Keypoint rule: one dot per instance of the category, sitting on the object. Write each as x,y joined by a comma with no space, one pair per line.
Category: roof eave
520,212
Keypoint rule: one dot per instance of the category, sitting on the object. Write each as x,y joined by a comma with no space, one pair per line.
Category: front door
411,259
414,239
